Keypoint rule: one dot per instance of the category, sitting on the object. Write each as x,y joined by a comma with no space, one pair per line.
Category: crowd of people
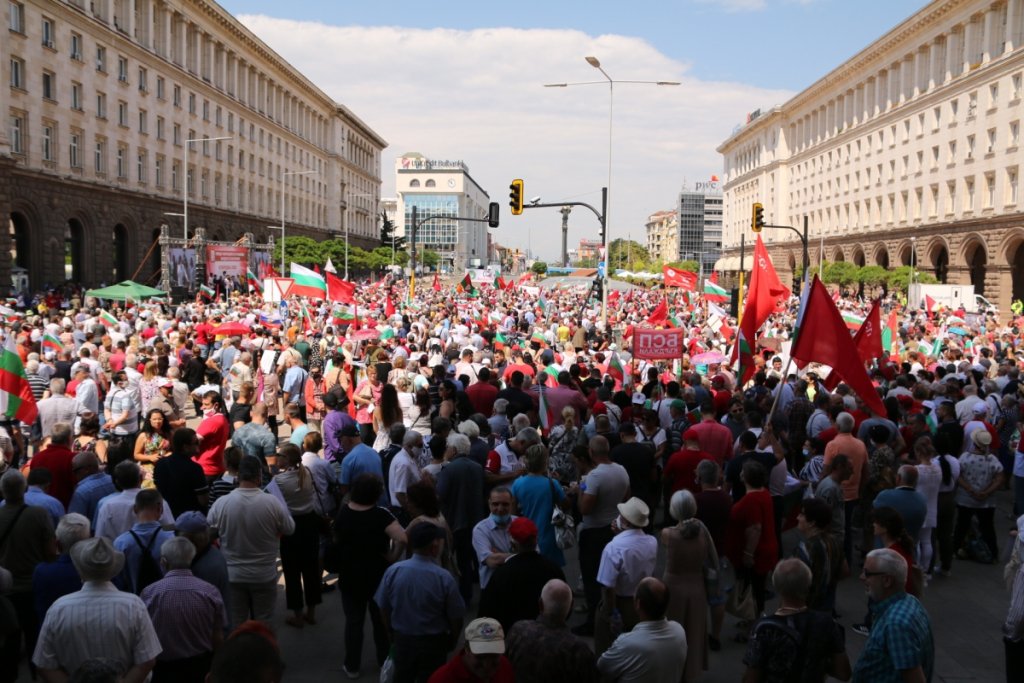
427,453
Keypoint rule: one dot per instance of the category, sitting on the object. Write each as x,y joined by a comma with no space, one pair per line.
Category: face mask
208,412
807,451
501,520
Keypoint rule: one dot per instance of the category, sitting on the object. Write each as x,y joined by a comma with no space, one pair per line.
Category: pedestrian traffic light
515,197
757,217
597,287
493,214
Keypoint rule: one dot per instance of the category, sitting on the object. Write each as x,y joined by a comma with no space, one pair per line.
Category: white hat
96,559
636,512
639,398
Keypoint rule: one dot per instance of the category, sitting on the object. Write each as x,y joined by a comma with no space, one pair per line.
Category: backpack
788,651
149,570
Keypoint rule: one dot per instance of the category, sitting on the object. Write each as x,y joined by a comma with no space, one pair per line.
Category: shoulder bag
564,525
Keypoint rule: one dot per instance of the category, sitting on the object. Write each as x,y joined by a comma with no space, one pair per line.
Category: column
129,21
879,103
952,47
166,16
146,35
906,71
933,64
986,35
1013,14
970,39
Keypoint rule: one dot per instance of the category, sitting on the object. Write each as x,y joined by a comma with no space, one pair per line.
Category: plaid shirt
186,611
543,652
901,639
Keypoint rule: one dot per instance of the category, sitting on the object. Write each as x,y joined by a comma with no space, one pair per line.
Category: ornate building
910,147
102,99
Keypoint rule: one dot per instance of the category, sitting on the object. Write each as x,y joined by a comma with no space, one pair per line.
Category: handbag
740,602
563,524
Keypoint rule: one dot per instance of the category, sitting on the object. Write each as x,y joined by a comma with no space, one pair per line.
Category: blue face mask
501,519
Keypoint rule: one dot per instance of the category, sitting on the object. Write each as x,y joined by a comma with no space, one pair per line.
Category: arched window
430,183
414,183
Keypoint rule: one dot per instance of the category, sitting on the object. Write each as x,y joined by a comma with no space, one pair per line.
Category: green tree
842,273
387,233
872,276
539,267
298,249
623,252
689,266
429,258
899,278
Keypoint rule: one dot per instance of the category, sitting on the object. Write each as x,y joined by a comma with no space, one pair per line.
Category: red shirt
753,508
455,671
482,395
681,470
521,367
714,438
57,459
214,433
203,331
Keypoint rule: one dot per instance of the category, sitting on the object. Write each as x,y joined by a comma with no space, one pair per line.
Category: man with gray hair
499,420
773,654
52,580
906,500
900,646
460,486
98,621
115,513
403,471
544,650
56,408
26,540
853,448
188,616
93,484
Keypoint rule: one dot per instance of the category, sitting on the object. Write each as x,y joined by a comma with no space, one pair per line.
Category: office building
663,236
909,151
102,96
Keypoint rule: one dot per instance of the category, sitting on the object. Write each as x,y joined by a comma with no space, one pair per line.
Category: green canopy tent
126,290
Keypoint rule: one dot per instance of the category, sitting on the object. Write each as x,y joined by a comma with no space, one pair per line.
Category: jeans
355,600
986,524
300,560
252,601
466,560
417,657
592,543
946,513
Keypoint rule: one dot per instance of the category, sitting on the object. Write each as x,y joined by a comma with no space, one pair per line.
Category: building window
160,128
1011,185
968,194
177,96
952,152
188,182
101,59
76,47
122,171
1014,133
17,17
101,105
17,73
74,148
177,134
122,69
48,33
217,151
143,122
937,112
76,96
1016,81
174,176
140,167
160,87
191,103
206,110
231,122
991,134
950,197
217,114
143,80
970,148
993,95
49,85
158,172
100,157
990,190
122,113
47,142
414,183
429,183
17,134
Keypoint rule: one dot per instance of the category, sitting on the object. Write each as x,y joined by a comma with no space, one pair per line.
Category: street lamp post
913,264
594,62
283,175
188,144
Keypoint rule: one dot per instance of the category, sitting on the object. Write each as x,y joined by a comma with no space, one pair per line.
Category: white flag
330,266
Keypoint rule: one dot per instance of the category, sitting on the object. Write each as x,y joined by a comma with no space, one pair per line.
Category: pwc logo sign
658,344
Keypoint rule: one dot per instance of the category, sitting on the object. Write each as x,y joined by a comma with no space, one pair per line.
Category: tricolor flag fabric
387,333
616,370
550,376
107,319
891,334
467,287
545,412
679,278
712,292
542,302
307,319
253,281
500,341
16,399
307,282
852,320
52,343
207,292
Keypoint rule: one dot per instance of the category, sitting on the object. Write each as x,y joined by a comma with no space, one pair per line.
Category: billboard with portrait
182,267
227,261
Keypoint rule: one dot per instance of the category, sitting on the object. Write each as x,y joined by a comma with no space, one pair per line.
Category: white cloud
739,5
478,96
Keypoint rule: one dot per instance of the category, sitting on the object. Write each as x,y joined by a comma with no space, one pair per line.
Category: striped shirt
186,611
97,621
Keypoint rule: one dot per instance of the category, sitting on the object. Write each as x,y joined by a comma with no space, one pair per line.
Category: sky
464,80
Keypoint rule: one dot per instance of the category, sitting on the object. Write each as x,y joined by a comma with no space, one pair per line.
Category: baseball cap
191,522
485,637
678,404
522,529
639,398
349,430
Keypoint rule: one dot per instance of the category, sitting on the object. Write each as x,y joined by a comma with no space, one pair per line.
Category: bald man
544,649
655,650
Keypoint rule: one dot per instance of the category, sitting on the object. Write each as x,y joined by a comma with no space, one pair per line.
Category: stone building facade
910,147
101,99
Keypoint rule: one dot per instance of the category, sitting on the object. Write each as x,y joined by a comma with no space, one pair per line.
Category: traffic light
515,197
597,288
757,217
492,214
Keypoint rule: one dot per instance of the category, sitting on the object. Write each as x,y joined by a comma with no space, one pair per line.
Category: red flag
824,338
929,304
714,277
316,269
679,278
765,295
868,341
389,306
659,315
437,283
340,290
835,296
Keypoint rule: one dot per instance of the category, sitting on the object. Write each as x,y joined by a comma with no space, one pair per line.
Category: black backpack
149,569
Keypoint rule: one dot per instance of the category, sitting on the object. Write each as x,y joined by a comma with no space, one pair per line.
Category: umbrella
123,291
708,358
958,330
954,319
231,328
365,334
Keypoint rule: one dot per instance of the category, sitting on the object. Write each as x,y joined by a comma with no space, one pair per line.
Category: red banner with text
650,344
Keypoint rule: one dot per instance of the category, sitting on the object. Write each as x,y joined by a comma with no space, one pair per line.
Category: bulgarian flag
253,281
51,342
615,369
538,336
206,292
746,356
545,411
465,286
342,316
387,333
674,322
307,319
107,319
16,399
712,292
542,303
307,283
500,341
551,376
852,320
890,333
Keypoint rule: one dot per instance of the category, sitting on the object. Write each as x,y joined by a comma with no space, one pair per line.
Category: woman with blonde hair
149,385
560,442
536,495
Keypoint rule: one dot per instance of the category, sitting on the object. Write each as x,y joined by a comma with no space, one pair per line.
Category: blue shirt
88,493
360,460
536,496
295,385
127,544
52,580
901,639
419,597
36,496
